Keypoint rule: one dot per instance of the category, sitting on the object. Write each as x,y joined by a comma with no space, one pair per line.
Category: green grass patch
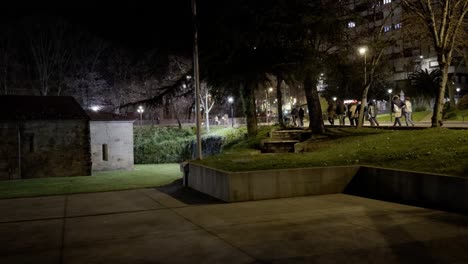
143,176
457,115
441,151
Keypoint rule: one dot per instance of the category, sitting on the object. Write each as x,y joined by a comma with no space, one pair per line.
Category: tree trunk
207,111
365,91
176,116
248,104
439,100
279,97
451,91
313,104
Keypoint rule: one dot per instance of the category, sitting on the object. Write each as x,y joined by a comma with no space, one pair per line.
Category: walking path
150,226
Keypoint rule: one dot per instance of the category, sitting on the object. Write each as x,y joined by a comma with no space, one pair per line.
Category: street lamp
140,110
231,100
363,51
390,103
334,98
269,104
458,94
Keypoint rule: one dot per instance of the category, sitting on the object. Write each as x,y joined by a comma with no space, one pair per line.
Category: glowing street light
140,110
334,98
95,108
231,100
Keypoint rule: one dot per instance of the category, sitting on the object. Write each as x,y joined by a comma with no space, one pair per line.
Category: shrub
154,145
463,102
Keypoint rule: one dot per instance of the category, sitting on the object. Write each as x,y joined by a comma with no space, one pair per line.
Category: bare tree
207,102
50,54
443,20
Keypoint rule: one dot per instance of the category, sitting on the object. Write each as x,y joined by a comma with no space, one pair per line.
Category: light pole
363,51
140,110
390,103
458,95
231,100
269,104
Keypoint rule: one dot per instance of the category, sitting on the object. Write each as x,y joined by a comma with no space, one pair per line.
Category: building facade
42,136
111,141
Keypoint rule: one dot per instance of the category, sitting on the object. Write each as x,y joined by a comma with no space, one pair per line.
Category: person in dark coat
340,112
372,113
301,117
294,115
397,108
331,112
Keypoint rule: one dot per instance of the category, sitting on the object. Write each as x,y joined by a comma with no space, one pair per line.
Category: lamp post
140,110
334,99
363,51
390,103
269,104
231,100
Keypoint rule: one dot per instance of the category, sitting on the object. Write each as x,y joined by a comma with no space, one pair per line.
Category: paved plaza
157,226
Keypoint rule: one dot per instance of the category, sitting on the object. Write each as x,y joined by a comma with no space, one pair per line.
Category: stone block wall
46,148
115,138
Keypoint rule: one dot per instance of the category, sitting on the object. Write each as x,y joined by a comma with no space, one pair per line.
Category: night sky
163,24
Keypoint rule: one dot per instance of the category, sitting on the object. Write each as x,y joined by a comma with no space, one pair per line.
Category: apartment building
405,53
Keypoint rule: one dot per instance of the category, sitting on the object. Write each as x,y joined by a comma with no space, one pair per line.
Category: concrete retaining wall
268,184
424,189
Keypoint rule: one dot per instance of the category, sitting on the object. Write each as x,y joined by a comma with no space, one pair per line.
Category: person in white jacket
408,109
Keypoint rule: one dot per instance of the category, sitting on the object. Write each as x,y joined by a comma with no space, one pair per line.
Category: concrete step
290,135
278,146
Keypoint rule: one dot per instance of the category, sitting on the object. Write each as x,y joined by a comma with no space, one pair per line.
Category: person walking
397,106
408,109
340,112
301,116
294,114
331,112
372,113
356,113
351,112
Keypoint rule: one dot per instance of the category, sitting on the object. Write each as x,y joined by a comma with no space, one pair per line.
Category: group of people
400,108
340,111
297,114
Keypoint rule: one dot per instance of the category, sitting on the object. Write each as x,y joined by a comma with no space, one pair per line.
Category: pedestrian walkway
151,226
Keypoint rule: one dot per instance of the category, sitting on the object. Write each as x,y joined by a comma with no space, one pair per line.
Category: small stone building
111,141
43,136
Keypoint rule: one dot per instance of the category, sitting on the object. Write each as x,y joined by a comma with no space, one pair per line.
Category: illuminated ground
150,226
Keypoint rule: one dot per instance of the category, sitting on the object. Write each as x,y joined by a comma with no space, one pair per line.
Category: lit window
351,24
387,28
397,26
387,1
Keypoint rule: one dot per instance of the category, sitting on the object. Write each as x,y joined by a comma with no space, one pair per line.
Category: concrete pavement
174,226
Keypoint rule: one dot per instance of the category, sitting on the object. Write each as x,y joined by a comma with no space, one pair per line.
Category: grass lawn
141,177
441,150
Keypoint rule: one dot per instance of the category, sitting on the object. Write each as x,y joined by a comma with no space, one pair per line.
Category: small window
397,26
387,1
105,152
387,28
31,143
351,24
